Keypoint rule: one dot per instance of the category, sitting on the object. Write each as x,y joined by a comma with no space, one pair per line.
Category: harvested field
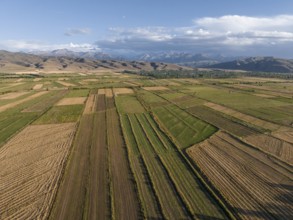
119,91
99,198
101,92
72,101
277,147
284,135
155,88
90,104
67,84
71,196
243,117
12,95
124,198
38,86
13,104
255,185
108,93
31,167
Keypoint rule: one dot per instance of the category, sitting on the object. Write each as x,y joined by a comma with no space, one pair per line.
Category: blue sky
231,27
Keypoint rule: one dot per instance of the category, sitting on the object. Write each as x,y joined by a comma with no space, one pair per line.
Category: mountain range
258,64
70,61
23,62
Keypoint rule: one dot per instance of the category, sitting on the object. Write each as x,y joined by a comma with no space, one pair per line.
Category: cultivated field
31,168
107,145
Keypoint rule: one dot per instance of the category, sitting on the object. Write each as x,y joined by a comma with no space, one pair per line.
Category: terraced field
117,146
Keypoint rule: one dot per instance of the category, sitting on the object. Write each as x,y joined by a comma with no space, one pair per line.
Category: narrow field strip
151,207
12,95
254,185
90,104
71,101
28,181
67,84
244,117
169,200
125,201
13,104
196,199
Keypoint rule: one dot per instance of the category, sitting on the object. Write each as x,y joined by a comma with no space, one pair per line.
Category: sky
228,27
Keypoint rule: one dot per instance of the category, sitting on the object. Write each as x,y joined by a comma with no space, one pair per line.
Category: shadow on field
282,208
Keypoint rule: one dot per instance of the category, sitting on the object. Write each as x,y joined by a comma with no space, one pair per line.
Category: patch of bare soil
72,101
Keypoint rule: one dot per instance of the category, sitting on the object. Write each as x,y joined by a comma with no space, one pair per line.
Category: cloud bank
230,33
21,45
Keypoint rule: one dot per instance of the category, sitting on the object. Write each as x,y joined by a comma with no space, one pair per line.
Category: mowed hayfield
86,146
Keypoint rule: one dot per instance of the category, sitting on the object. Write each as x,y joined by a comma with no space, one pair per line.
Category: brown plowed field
101,103
31,167
255,185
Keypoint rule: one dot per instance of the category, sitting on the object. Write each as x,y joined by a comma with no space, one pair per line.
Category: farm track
30,173
252,183
99,200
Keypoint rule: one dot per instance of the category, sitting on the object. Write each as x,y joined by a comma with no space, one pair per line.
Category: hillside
22,62
259,64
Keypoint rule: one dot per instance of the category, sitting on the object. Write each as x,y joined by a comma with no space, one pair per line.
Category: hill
258,64
23,62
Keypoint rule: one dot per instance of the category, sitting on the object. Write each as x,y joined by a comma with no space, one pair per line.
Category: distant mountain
258,64
186,59
23,62
180,58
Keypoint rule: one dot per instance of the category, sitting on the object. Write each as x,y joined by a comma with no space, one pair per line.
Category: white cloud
77,31
21,45
229,32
